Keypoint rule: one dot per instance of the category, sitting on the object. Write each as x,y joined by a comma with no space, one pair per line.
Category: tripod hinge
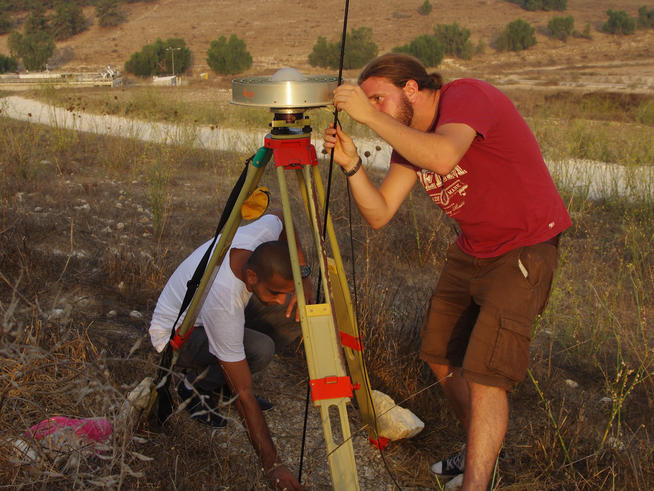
332,388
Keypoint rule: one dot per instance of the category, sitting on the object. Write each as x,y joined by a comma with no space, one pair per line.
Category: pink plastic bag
91,430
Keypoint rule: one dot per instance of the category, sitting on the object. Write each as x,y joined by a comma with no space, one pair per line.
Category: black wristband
354,169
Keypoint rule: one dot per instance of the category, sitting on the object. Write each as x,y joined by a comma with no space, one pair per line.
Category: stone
394,421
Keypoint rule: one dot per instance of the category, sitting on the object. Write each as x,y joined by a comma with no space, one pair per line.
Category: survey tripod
330,332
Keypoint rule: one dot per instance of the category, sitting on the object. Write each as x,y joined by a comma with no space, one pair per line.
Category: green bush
5,22
645,18
517,35
157,58
619,23
109,13
228,57
585,34
542,4
67,20
7,64
561,27
360,49
36,21
426,48
455,40
425,8
33,49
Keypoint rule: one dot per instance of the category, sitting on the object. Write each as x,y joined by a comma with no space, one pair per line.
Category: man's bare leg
489,414
456,390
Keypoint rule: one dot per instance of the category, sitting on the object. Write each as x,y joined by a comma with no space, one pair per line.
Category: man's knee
259,349
441,371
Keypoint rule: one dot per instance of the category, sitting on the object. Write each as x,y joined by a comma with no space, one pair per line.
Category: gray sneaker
452,465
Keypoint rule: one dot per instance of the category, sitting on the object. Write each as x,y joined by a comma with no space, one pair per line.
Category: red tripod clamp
292,153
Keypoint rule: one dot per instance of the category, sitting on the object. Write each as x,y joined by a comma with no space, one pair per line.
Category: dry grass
67,263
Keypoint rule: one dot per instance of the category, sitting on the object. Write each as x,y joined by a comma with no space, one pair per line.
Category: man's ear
251,277
411,90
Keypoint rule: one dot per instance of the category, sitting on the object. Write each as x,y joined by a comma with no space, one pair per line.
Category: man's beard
404,112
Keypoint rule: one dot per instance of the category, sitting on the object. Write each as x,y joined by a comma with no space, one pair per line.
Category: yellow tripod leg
346,321
330,385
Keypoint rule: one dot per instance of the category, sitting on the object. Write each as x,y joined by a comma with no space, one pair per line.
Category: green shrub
36,21
425,8
517,35
7,64
619,23
360,49
426,48
561,27
109,13
67,20
228,57
5,22
542,4
645,18
455,40
33,49
157,58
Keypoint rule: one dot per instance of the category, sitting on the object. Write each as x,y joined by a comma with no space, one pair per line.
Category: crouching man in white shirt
237,333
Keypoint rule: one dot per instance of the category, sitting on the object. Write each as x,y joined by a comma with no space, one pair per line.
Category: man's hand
308,298
353,100
345,151
281,478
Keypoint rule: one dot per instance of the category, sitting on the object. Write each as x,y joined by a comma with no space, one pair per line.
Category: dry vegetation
91,227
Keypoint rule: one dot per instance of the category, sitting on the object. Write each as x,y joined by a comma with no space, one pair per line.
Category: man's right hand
281,478
345,151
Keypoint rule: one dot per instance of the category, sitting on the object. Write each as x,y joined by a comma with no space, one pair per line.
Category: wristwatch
305,270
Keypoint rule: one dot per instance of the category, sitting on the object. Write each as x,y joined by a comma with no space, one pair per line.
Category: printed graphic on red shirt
448,192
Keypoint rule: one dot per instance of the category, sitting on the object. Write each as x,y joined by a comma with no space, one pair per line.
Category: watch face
305,271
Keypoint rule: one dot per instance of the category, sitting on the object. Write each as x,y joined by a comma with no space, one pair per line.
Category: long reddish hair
399,68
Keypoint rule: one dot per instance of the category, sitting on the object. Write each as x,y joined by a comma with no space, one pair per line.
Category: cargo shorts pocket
510,355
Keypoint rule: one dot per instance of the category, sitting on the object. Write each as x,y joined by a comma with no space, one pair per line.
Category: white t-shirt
222,313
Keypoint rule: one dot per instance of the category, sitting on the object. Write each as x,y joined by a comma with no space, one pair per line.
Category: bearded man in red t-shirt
480,163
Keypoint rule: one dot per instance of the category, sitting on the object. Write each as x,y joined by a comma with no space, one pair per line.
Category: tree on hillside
228,57
33,49
645,17
455,40
157,58
36,21
619,23
425,8
5,22
109,13
517,35
67,20
7,64
546,5
360,49
561,27
426,48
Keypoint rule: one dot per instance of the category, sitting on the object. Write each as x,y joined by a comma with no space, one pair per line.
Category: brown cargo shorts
480,316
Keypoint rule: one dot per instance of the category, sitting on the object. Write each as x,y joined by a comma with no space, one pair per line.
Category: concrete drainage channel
597,180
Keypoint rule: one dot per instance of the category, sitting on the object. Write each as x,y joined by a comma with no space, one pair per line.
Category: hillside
283,33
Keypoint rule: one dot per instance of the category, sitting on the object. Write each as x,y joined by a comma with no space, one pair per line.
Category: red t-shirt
501,193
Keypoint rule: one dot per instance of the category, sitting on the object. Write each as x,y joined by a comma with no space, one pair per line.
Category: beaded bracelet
351,172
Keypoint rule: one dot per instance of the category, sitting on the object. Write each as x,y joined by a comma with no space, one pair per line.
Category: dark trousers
267,331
